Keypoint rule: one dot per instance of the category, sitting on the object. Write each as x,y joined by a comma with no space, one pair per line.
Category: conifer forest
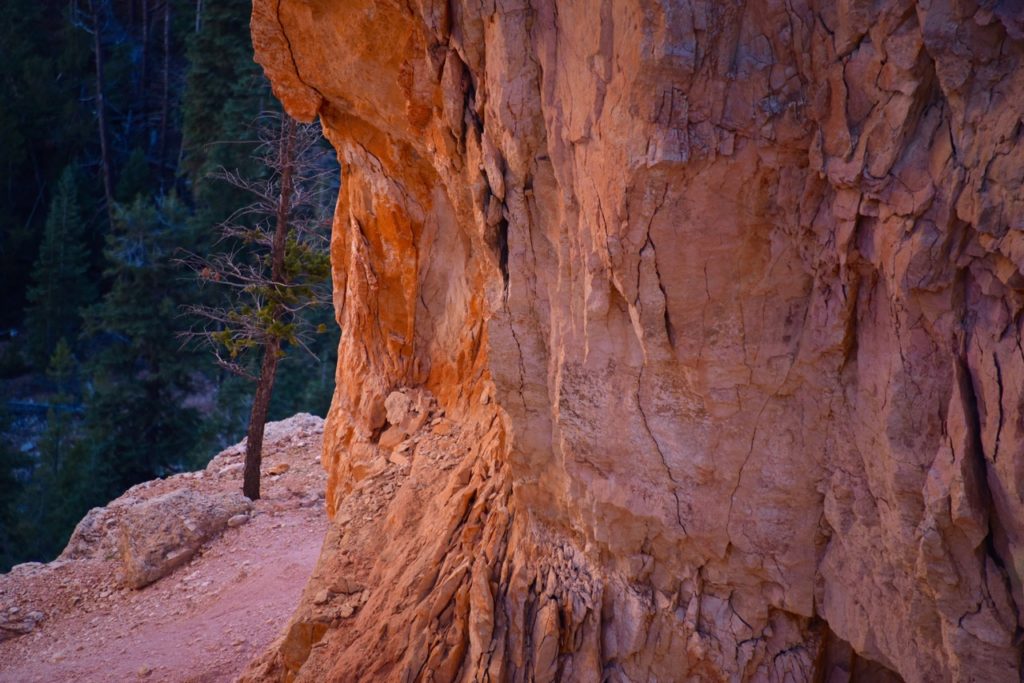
132,131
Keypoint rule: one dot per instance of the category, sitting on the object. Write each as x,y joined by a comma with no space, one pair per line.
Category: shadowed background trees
119,119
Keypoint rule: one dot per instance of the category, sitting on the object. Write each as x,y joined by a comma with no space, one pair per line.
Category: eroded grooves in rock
708,318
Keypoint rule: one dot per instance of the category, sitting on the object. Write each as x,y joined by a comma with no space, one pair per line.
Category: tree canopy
121,119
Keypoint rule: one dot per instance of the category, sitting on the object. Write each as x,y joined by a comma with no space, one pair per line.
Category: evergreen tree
277,268
42,125
60,282
139,420
103,101
47,505
72,483
13,473
225,92
305,383
134,179
54,452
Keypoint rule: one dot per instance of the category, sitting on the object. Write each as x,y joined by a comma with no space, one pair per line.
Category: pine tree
61,286
138,420
276,267
134,179
225,91
43,125
46,505
57,439
71,481
98,96
13,472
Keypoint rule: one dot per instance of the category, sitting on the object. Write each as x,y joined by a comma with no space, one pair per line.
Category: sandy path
203,623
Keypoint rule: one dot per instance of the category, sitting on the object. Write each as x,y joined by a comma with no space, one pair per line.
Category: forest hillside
120,119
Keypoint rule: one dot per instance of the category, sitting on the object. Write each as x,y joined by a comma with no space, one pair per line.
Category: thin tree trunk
284,203
145,51
258,420
272,348
101,117
165,96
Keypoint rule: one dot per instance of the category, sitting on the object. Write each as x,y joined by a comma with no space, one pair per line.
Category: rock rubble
79,618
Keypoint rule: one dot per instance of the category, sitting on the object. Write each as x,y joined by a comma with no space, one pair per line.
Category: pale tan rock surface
161,534
721,303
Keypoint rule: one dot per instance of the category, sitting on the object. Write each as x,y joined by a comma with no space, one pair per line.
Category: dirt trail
204,621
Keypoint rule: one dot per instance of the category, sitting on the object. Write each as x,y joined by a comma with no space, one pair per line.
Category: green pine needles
273,267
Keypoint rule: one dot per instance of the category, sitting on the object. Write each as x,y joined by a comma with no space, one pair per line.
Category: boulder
94,538
162,533
16,623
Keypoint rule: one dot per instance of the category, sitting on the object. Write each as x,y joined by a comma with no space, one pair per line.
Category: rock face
724,301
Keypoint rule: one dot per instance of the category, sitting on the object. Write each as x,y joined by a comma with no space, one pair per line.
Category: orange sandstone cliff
681,340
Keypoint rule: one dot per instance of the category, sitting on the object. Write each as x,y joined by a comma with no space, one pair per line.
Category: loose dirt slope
205,620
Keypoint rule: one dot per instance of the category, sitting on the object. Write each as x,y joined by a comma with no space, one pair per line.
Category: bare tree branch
272,266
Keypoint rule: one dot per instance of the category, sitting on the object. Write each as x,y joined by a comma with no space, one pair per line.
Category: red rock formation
722,304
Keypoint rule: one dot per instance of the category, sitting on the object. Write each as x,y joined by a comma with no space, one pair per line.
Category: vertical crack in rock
502,249
743,465
999,406
661,453
984,466
291,51
670,332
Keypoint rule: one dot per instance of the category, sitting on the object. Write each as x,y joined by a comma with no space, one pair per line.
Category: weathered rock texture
725,301
163,533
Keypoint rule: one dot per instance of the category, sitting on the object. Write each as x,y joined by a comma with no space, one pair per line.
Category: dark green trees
224,93
14,469
61,286
141,416
116,117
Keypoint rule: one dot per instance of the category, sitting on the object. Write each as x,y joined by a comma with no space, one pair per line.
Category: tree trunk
258,420
165,95
101,117
284,202
272,348
145,55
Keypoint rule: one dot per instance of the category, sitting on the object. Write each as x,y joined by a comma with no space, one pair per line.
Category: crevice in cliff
521,361
291,54
746,461
649,244
501,238
995,537
670,330
470,119
999,406
837,660
661,453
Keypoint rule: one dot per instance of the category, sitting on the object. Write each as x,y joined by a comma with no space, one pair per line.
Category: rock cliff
681,340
